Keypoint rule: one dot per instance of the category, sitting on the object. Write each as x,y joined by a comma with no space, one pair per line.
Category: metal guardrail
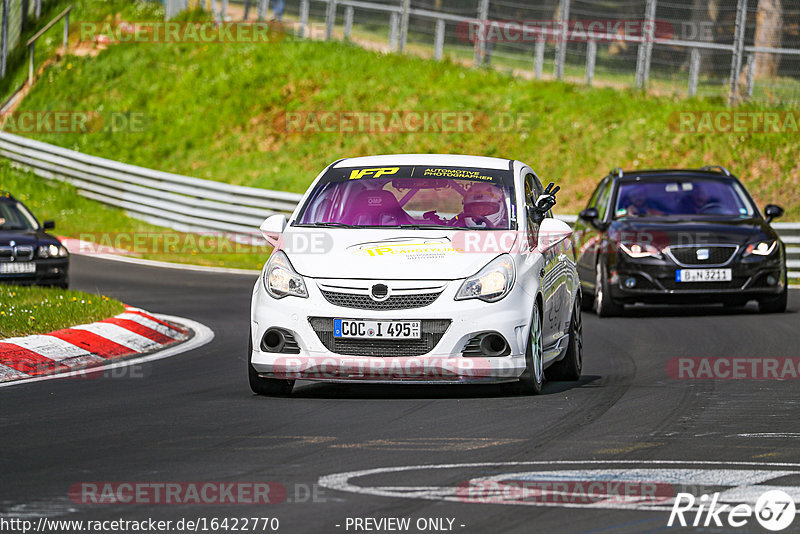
179,202
189,204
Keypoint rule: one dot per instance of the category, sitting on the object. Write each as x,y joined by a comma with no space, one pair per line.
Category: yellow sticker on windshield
357,174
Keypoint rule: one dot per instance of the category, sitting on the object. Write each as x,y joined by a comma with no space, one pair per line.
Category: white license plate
18,268
376,329
703,275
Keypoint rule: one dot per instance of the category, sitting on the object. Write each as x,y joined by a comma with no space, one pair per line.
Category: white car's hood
388,254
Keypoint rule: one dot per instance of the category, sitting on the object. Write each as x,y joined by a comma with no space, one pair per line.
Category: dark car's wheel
604,306
532,379
775,305
272,387
570,367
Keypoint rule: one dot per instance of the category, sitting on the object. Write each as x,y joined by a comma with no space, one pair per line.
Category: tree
769,32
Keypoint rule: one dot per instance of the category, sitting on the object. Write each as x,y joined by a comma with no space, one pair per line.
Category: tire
775,305
603,305
532,379
270,387
569,368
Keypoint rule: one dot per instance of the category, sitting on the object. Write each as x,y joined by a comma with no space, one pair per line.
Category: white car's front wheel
532,378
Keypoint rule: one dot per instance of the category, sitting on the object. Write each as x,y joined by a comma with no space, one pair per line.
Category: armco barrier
180,202
191,204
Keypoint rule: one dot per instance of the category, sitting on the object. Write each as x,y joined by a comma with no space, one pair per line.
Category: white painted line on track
202,336
739,481
169,265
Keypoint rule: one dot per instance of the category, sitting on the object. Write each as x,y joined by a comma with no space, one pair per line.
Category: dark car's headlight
52,251
491,283
760,248
640,250
281,280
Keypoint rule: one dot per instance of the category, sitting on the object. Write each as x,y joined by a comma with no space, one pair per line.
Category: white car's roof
479,162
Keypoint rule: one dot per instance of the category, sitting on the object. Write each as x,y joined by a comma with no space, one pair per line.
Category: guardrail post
438,41
330,19
694,71
404,24
646,47
751,72
738,50
38,9
561,40
394,30
480,42
66,32
304,18
348,22
4,40
31,49
538,58
591,55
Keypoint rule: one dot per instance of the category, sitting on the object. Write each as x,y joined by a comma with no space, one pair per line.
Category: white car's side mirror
552,232
273,227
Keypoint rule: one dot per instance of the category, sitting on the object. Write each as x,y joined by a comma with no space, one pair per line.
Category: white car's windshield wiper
327,225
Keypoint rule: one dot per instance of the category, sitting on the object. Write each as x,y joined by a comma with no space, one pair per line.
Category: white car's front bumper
388,361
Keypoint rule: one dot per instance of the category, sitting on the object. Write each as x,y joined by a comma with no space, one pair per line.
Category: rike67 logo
774,510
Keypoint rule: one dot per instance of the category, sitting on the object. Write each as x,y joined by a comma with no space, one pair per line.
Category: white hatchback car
418,269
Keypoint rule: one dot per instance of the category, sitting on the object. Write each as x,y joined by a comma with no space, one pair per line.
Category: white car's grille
394,302
432,331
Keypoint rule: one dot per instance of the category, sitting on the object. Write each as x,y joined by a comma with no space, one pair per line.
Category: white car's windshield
411,197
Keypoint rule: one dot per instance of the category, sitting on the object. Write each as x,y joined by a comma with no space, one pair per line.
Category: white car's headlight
638,250
492,283
281,280
760,248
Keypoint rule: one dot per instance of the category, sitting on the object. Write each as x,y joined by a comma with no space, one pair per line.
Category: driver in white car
484,207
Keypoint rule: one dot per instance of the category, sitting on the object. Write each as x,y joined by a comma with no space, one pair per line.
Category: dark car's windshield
416,196
14,216
680,198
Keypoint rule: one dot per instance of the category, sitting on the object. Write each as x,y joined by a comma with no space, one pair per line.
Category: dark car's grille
670,283
365,302
432,331
20,253
717,255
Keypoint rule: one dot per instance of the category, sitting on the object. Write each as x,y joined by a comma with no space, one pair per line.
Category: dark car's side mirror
771,211
591,216
48,225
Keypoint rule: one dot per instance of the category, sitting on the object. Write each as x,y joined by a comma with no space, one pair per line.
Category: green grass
38,310
211,112
84,219
47,44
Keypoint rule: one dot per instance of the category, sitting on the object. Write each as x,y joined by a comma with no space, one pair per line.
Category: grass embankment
38,310
211,111
48,44
85,219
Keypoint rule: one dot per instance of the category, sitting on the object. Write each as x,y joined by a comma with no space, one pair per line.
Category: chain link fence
732,49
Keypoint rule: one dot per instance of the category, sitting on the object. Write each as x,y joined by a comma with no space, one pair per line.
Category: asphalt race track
192,418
